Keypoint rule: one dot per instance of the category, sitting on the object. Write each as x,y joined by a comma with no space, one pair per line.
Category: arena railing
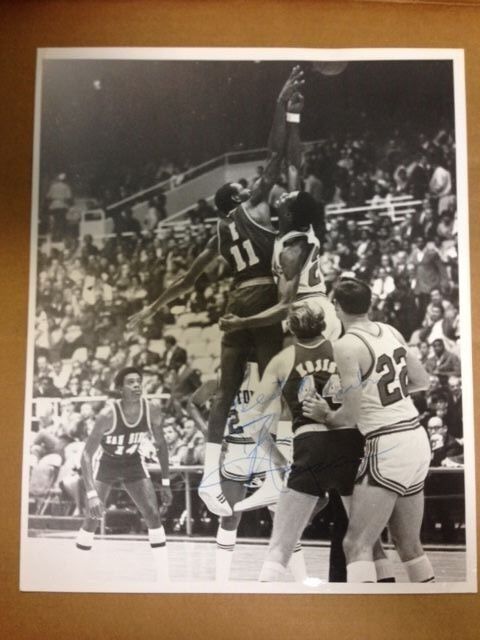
395,209
443,484
58,402
172,183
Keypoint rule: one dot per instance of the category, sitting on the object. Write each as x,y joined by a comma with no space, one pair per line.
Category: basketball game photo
249,354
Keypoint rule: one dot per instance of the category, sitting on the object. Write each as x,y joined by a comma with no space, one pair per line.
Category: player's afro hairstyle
305,321
304,210
224,198
354,296
123,373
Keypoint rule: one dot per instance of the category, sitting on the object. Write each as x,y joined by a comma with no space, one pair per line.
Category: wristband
92,494
293,117
165,482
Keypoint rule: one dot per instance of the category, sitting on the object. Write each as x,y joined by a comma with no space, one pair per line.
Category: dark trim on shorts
398,427
236,478
239,440
369,466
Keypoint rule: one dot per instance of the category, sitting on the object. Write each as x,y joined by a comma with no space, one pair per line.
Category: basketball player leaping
118,432
245,239
241,464
297,271
296,256
378,372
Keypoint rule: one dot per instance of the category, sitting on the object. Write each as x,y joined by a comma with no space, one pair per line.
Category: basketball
333,68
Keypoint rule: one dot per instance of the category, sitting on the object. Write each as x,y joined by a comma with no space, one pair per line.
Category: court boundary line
52,535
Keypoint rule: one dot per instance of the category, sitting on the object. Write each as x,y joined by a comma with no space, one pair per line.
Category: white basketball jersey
311,278
238,419
385,399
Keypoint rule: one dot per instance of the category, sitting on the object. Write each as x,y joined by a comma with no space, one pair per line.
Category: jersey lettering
333,389
308,367
233,231
120,450
312,370
125,439
252,258
385,364
246,246
233,423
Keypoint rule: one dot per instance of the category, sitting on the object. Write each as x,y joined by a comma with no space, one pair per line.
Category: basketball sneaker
267,495
214,500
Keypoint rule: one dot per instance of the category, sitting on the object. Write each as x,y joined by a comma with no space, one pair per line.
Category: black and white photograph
249,360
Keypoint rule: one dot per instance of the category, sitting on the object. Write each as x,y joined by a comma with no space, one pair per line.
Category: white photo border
31,582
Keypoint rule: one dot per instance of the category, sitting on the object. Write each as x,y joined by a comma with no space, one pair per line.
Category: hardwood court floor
118,563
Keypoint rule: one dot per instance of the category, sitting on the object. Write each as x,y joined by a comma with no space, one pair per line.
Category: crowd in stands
86,290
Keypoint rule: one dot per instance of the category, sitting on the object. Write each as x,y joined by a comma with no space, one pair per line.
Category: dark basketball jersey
313,371
245,245
124,439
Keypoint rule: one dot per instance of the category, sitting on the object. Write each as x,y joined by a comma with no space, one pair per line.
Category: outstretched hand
135,320
296,103
294,83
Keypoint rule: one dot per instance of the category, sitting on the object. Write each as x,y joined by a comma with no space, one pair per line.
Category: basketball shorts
248,301
122,469
244,461
398,461
324,460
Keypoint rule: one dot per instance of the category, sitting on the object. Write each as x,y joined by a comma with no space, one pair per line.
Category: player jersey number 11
249,251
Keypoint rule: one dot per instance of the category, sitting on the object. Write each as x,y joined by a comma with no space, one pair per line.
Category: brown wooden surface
24,26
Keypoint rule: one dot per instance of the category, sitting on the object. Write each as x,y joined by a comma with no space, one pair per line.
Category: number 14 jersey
386,404
124,438
246,245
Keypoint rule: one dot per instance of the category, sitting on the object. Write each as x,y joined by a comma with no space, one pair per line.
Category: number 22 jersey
386,405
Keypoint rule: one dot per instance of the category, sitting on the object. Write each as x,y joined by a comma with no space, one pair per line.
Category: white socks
157,539
211,472
419,569
361,571
84,540
272,572
284,439
384,570
224,553
297,564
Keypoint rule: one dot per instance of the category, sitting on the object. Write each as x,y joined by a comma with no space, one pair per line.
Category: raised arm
103,424
294,143
180,287
156,423
277,138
